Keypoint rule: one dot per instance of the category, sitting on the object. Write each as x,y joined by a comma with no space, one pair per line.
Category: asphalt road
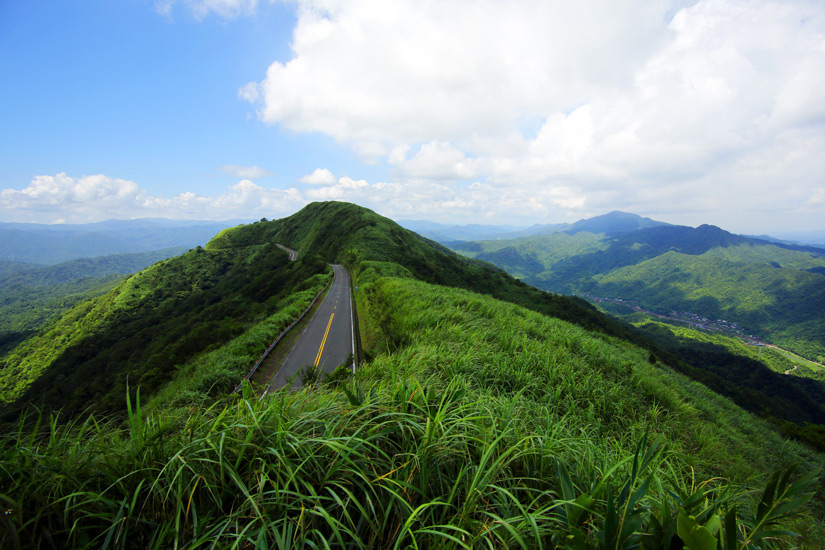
292,254
327,341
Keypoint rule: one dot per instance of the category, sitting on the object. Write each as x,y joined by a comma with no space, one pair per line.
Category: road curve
327,341
293,255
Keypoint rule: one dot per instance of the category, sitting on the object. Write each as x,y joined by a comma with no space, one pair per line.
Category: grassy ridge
488,426
151,323
371,245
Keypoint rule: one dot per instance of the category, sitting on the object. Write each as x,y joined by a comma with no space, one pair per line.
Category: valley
775,290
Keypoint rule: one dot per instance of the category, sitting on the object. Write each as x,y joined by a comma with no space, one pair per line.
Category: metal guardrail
280,336
358,352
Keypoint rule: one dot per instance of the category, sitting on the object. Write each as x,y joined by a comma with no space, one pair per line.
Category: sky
454,111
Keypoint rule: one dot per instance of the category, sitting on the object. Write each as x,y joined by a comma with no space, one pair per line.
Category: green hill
371,246
775,291
149,324
31,295
477,422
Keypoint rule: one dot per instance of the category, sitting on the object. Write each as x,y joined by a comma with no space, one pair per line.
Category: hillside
32,275
160,318
480,429
31,295
476,422
149,324
776,291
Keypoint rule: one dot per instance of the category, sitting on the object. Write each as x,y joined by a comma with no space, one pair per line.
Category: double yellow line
323,342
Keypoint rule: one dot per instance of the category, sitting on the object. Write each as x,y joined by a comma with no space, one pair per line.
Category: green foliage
742,373
776,292
31,296
148,326
86,268
589,445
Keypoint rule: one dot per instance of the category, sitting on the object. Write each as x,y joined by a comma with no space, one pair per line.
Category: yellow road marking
323,342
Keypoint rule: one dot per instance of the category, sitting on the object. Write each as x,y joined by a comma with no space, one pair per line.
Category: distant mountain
774,289
809,238
613,222
52,244
31,275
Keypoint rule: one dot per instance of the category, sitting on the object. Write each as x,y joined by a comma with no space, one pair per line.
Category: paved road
327,341
292,254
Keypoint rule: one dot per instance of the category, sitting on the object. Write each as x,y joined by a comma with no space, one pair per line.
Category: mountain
149,325
776,290
52,244
177,308
17,274
613,222
31,295
475,422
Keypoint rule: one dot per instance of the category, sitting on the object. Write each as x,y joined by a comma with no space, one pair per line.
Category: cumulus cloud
585,106
92,198
248,172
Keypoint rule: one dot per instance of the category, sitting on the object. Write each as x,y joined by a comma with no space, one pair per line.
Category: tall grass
408,466
486,427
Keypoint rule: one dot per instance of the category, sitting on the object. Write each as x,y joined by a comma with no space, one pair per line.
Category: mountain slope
777,291
479,431
476,422
84,268
154,321
371,246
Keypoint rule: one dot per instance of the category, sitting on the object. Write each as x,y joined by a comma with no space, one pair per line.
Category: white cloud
228,9
321,176
436,160
704,106
399,72
99,197
248,172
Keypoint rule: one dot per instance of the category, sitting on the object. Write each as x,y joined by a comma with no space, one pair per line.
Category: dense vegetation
475,423
31,295
723,365
488,426
371,245
776,291
147,326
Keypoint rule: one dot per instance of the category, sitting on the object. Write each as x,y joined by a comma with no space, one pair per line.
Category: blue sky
113,87
693,112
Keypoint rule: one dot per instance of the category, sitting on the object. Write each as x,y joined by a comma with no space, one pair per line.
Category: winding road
327,342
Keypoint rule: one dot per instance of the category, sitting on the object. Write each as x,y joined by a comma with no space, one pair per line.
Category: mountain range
776,290
487,413
52,244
